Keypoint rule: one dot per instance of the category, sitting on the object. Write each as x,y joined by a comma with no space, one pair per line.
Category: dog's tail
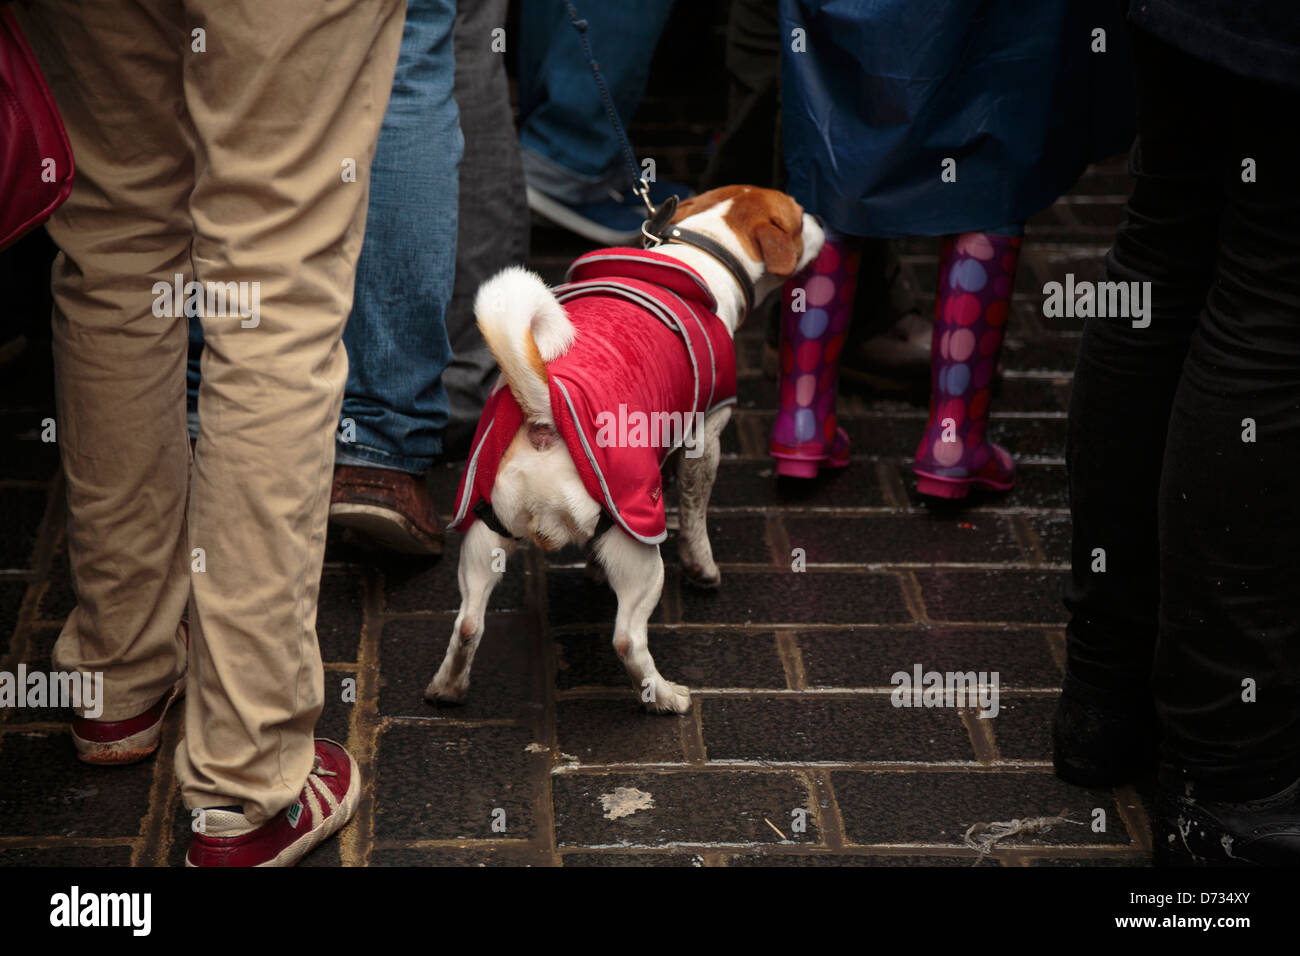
525,327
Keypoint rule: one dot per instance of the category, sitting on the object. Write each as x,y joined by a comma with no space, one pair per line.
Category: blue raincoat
886,90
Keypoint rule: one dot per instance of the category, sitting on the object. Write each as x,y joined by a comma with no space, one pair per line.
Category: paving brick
37,659
1022,728
65,856
336,715
11,601
752,483
339,617
632,859
1030,438
938,808
698,660
422,585
874,436
59,598
48,792
618,731
734,539
832,597
847,859
1054,535
981,595
1136,859
855,730
23,456
1037,486
444,783
1032,395
476,855
688,807
505,682
21,510
574,598
1052,353
904,539
870,658
749,356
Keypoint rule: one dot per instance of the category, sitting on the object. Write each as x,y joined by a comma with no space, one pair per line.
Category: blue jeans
570,150
395,407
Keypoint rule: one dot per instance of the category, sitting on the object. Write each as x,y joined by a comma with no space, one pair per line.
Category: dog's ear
687,207
780,250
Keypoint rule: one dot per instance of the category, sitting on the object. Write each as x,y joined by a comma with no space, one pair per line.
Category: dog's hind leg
695,478
483,555
636,573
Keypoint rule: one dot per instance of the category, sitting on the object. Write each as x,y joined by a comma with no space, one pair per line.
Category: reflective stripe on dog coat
649,354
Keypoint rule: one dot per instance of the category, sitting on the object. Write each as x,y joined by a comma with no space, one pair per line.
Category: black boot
1192,831
1103,744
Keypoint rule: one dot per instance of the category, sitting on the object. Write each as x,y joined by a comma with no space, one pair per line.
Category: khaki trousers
213,140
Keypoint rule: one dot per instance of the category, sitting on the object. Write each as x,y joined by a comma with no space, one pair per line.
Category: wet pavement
792,752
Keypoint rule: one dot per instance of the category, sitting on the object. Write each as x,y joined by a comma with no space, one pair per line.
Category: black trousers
1184,437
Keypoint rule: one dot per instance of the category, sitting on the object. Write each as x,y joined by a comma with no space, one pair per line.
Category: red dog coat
647,342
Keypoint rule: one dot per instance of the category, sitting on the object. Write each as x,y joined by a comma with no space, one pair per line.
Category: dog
657,326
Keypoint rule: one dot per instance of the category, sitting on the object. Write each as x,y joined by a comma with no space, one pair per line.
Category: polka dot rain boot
805,437
976,275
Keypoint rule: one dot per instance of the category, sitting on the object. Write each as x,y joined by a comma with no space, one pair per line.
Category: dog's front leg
483,556
636,573
695,478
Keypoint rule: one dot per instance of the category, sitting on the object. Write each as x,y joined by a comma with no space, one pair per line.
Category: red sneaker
327,801
123,741
108,742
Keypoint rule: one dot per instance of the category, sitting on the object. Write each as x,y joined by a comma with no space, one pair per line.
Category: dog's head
766,229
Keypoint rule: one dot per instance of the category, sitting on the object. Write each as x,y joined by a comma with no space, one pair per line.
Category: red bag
35,159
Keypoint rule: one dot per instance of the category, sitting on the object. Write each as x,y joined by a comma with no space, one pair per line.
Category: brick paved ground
789,671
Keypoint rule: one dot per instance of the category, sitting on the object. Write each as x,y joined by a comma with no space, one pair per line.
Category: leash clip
642,188
652,230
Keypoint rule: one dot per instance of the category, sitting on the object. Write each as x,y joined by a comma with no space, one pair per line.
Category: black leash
641,186
655,229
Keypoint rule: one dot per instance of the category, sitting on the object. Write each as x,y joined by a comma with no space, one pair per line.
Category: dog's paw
669,698
705,578
445,692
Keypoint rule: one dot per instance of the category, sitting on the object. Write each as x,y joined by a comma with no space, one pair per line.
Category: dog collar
657,231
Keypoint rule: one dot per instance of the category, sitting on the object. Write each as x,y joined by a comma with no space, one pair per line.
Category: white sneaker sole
565,217
129,749
385,528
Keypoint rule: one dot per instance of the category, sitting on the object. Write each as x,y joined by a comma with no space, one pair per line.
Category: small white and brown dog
742,243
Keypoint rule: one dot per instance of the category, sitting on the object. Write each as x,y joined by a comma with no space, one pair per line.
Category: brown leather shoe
389,509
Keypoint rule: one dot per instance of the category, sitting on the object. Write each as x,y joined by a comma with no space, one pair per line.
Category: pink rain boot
805,436
976,275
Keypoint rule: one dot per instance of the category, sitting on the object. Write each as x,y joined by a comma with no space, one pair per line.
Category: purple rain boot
805,436
976,275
